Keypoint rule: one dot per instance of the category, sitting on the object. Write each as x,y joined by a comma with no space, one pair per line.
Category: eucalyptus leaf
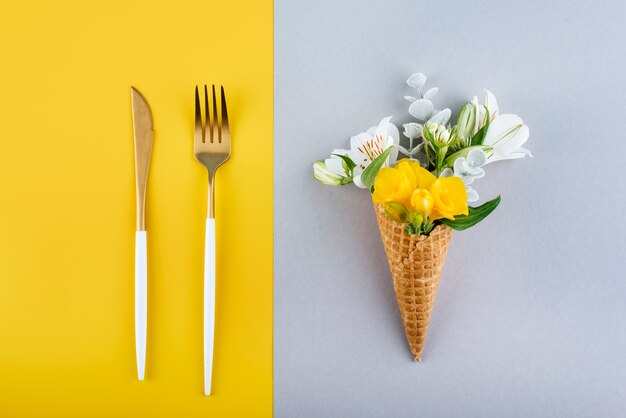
431,93
369,174
475,215
403,150
441,117
421,109
416,80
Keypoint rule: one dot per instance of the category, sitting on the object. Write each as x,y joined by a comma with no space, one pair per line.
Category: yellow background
67,208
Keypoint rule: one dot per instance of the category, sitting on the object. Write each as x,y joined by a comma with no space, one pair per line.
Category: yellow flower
425,178
450,198
393,185
422,202
418,190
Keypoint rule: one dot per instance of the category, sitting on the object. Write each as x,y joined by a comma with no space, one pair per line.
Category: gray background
530,316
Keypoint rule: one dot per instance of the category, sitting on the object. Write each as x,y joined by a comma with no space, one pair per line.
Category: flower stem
426,146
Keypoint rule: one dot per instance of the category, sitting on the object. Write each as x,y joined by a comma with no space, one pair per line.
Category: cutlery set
211,149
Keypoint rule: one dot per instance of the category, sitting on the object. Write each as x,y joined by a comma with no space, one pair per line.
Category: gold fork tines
211,138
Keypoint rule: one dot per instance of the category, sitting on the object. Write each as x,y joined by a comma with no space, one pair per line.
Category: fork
211,142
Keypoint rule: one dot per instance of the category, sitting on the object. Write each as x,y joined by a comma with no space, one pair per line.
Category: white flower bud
324,175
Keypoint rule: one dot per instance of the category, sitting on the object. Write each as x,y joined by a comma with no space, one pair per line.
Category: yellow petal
450,198
422,202
392,185
425,179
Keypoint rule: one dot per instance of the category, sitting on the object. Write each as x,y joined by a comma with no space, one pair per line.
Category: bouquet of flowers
422,196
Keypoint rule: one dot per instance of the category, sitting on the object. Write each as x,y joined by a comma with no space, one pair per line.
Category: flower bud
466,120
437,134
324,175
397,212
422,202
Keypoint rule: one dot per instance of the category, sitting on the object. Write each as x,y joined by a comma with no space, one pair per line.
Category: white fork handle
141,300
209,302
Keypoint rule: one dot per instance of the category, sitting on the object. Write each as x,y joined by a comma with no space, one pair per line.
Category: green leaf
480,135
474,216
369,174
348,161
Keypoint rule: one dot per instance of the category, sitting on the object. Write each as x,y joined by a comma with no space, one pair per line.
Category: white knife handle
141,300
209,302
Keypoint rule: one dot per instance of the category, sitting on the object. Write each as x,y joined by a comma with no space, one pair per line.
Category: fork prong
198,131
208,123
215,119
225,131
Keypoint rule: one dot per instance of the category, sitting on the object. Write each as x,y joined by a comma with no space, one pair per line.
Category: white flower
506,135
468,169
366,146
328,175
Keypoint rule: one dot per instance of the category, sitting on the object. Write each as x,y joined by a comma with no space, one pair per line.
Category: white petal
357,181
442,117
421,109
431,93
393,132
358,140
476,158
416,80
410,98
525,151
340,151
393,139
467,180
513,141
392,158
511,156
379,129
481,118
500,126
335,164
359,160
460,166
477,173
491,103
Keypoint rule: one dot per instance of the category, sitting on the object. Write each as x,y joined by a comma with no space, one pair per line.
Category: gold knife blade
144,136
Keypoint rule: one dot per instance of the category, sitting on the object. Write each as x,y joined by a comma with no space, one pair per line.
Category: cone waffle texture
416,263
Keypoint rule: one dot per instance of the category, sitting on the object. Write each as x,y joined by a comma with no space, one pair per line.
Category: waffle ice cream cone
416,263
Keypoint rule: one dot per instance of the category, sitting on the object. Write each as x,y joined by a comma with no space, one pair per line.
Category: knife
143,137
